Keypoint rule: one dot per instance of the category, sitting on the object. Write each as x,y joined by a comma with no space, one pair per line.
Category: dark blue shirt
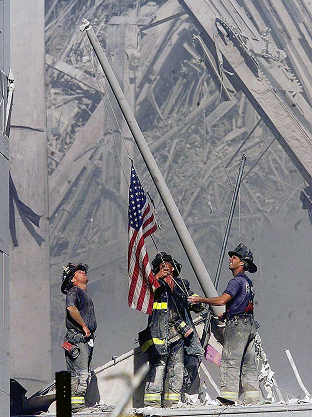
241,290
79,298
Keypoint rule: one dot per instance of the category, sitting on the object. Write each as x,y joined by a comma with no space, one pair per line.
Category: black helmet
68,273
245,255
164,257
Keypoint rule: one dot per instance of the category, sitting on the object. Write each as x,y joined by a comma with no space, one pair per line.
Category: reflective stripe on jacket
157,333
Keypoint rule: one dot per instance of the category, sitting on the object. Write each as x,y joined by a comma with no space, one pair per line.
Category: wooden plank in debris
234,134
298,57
245,24
189,119
157,58
305,11
157,37
306,63
286,19
220,111
256,16
54,154
75,158
305,33
304,69
236,16
72,72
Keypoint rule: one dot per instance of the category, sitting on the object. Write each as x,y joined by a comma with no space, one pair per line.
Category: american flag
142,282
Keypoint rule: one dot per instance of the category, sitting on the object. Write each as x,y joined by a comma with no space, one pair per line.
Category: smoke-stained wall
30,324
4,210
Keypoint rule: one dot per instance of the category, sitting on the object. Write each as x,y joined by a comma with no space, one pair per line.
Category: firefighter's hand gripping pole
174,214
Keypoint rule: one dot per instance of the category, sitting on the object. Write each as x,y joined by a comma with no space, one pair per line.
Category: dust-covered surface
300,410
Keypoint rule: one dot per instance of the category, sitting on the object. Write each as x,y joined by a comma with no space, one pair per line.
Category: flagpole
174,214
225,240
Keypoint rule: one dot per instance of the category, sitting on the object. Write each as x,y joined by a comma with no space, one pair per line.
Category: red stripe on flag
142,282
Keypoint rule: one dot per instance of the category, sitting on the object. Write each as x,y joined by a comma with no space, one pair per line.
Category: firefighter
171,334
81,325
239,374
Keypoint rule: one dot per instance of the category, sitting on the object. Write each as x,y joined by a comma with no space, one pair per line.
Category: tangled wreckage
204,78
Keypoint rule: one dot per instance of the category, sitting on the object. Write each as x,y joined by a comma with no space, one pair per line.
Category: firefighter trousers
239,374
79,369
165,379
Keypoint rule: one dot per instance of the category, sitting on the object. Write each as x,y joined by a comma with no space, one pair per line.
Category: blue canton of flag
137,200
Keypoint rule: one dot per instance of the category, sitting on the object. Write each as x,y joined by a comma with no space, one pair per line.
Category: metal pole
133,384
225,240
230,218
11,86
294,368
174,214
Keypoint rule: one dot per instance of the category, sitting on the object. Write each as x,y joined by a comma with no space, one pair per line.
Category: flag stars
137,201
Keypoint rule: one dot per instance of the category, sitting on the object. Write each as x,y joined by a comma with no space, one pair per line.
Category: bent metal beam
253,75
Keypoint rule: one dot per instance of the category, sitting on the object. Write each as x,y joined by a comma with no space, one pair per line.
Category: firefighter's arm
214,301
74,313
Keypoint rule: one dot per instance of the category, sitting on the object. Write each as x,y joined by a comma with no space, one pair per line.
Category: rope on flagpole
110,111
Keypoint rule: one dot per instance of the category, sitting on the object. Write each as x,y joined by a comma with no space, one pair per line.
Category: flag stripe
141,225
